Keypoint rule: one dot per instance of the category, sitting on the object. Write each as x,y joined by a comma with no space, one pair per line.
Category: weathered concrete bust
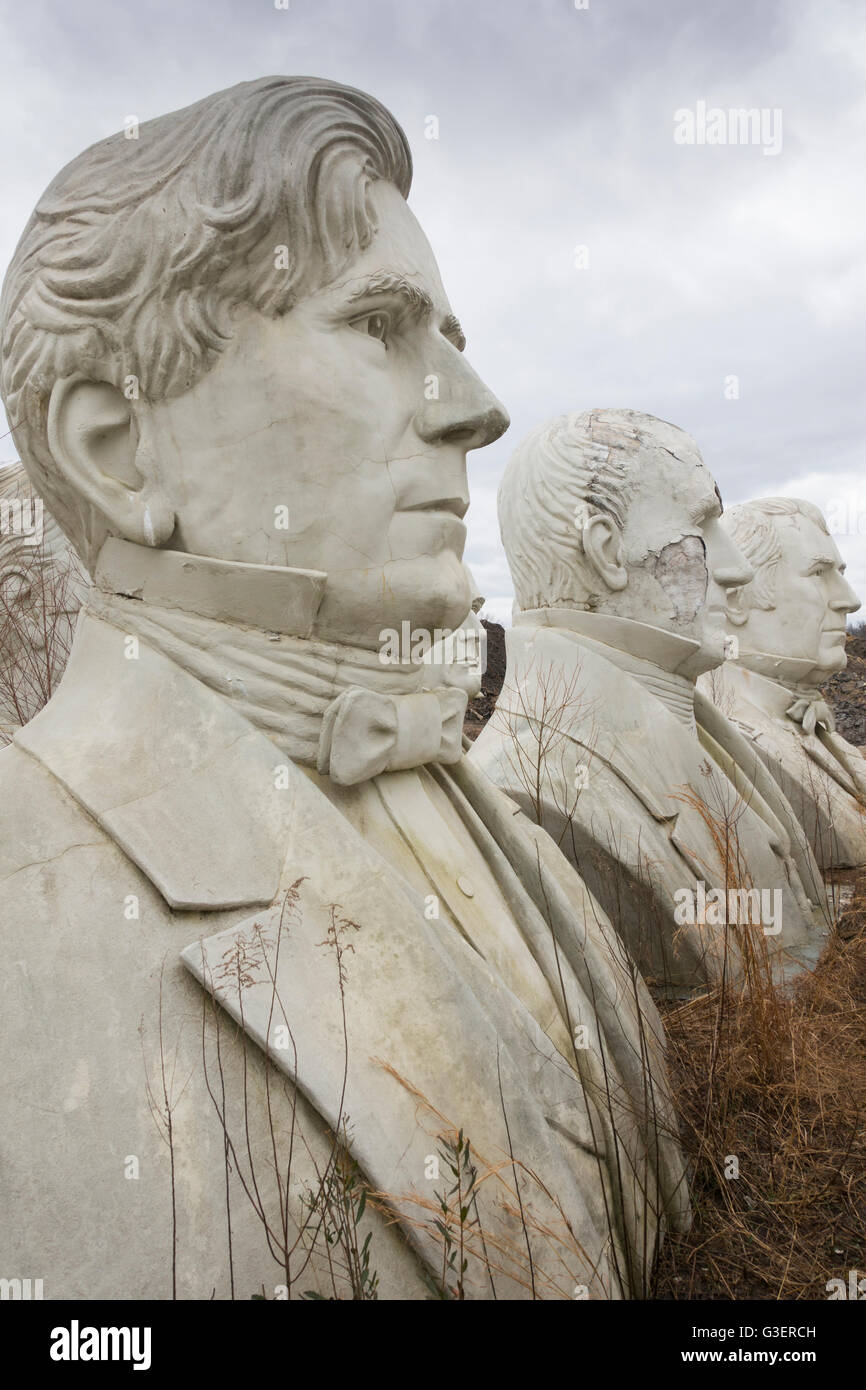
790,627
41,588
612,526
238,383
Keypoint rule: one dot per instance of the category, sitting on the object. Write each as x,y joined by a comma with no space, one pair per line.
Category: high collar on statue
268,597
793,674
243,631
782,695
651,655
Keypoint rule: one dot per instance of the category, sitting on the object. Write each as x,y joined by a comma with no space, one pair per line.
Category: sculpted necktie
365,732
812,712
811,709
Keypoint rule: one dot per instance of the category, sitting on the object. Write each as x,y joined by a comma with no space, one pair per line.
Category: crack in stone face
681,570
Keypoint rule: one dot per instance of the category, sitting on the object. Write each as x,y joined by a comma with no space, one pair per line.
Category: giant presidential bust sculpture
269,938
790,625
610,520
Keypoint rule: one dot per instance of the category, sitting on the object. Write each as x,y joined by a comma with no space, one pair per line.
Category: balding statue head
228,336
798,602
615,511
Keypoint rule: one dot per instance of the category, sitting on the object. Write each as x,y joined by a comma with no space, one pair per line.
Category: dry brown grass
779,1082
773,1079
40,595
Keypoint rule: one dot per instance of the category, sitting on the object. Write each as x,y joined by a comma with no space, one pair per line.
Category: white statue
610,521
217,347
460,657
790,627
41,588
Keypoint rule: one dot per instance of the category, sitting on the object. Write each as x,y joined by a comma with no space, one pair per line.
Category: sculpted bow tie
810,711
365,732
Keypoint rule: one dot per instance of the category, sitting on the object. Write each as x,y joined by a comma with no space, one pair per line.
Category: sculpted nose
846,601
734,577
726,563
459,408
731,570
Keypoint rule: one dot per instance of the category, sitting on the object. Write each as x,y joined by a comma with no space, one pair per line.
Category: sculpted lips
457,506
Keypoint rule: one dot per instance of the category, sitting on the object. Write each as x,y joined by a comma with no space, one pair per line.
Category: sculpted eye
376,326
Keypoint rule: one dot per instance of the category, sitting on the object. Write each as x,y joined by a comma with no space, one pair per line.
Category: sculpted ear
99,447
736,606
602,546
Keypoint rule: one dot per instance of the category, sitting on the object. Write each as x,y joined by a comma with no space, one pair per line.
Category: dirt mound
481,708
847,691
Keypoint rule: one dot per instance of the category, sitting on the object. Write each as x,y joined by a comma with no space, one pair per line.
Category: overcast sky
556,131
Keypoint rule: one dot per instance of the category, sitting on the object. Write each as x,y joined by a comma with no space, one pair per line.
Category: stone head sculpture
615,511
235,378
41,588
229,337
796,606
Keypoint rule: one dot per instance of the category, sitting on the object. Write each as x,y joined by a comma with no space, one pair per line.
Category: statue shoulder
39,820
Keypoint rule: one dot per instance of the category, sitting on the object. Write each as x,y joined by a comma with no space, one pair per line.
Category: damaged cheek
681,570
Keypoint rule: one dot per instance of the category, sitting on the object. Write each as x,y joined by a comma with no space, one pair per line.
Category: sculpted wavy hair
138,251
565,471
752,528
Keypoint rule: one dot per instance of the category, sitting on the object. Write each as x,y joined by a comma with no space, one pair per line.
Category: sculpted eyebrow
711,505
390,282
417,300
451,329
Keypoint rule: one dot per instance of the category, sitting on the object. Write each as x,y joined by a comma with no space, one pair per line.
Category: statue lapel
188,789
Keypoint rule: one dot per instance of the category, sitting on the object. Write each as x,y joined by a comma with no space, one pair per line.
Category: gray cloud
555,131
